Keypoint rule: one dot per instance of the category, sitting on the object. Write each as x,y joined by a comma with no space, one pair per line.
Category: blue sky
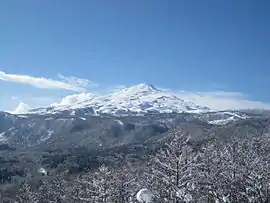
189,45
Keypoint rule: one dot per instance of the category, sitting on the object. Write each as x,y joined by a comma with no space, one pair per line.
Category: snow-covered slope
141,98
221,117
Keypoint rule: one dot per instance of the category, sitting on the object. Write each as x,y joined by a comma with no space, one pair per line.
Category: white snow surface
139,98
3,138
224,121
119,122
235,115
145,196
45,137
42,171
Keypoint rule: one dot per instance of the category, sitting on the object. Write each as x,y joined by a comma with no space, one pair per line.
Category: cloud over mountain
22,108
223,100
67,83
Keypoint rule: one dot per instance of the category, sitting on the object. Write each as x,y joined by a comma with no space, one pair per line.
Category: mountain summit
141,98
141,87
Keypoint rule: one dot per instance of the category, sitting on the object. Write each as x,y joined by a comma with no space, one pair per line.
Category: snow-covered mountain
141,98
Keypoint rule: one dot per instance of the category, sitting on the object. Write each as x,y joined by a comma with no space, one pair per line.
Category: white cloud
220,100
15,98
223,100
117,88
43,100
80,82
74,99
20,104
67,83
22,108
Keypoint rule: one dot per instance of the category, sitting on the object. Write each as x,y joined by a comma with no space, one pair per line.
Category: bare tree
106,185
170,174
237,171
25,194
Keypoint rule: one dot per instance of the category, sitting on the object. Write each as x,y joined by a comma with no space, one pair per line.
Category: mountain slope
62,130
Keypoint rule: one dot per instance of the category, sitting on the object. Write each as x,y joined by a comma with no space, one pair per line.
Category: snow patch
3,138
120,122
22,116
221,121
44,138
43,171
235,115
145,196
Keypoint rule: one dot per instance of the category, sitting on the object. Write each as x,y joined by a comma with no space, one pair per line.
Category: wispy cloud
117,88
223,100
67,83
78,82
220,100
